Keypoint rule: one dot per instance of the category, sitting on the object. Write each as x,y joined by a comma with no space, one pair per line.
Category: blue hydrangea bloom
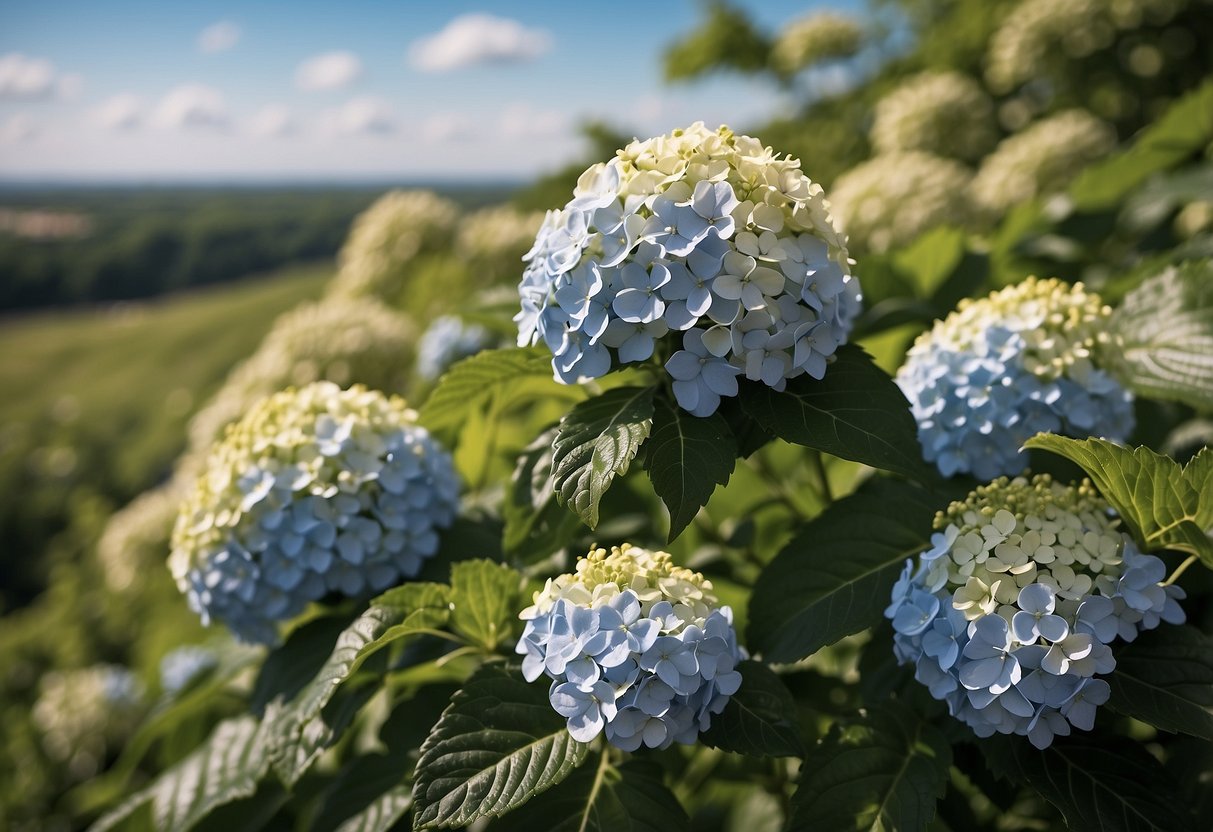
635,646
447,340
1002,369
1011,616
315,491
701,238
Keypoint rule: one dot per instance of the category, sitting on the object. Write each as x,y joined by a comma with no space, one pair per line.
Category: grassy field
98,399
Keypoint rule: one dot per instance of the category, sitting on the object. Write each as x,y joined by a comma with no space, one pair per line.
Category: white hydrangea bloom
136,536
86,713
315,490
945,113
814,38
890,199
385,237
496,238
1040,160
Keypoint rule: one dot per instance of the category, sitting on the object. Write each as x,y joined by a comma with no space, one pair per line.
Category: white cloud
272,121
122,112
521,121
330,71
18,128
448,127
25,77
219,37
191,106
70,86
365,115
473,39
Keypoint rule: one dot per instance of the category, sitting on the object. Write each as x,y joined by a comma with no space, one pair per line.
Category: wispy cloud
191,106
448,127
121,112
18,128
365,115
330,71
522,121
219,37
273,121
23,77
473,39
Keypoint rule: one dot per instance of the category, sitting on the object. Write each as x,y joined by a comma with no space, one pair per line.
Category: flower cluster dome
815,38
316,490
701,239
1011,615
86,711
1001,369
447,340
945,113
635,646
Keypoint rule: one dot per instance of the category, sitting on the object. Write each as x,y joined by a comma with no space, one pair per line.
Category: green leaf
630,798
856,412
484,601
597,440
469,384
289,667
1166,325
930,260
833,579
225,768
1106,785
1165,678
535,523
1165,506
687,457
370,794
496,746
382,813
882,772
1183,131
759,719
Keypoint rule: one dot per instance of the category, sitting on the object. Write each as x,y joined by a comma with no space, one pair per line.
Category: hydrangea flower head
816,38
182,665
635,646
1000,369
316,490
447,340
702,247
945,113
84,712
1012,614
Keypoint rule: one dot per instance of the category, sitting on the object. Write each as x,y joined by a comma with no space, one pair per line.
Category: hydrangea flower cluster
814,39
181,666
85,712
893,198
135,539
702,238
945,113
1003,368
1011,615
493,240
398,227
1039,160
316,490
345,341
635,646
447,340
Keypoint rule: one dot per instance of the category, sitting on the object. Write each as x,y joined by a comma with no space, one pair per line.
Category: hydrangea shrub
1012,616
635,646
702,247
317,490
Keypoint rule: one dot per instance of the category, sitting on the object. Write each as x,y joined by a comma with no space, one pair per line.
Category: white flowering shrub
87,713
816,38
943,113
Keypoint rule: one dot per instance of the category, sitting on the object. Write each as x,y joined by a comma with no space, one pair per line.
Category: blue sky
142,90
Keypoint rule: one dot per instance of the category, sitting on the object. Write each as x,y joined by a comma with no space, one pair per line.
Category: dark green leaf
469,384
472,535
289,667
597,441
930,260
1165,678
834,578
882,772
496,746
759,719
371,793
1165,506
535,523
630,798
856,412
1098,786
687,457
1166,326
484,601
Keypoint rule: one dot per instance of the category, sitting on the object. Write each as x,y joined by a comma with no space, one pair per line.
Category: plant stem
1179,570
820,467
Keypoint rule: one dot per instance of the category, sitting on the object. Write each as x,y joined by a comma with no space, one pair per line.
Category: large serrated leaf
760,719
597,441
856,412
1165,506
1098,786
535,523
630,798
369,795
1166,328
225,768
687,457
1165,678
470,383
833,579
496,746
484,601
882,772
